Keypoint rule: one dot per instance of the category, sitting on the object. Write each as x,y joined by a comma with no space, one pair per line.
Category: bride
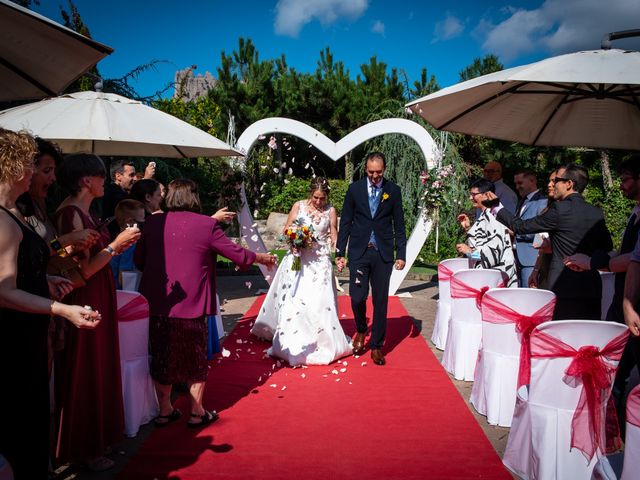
299,314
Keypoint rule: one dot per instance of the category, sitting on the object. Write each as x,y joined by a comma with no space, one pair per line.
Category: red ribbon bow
136,309
459,289
494,311
444,273
590,367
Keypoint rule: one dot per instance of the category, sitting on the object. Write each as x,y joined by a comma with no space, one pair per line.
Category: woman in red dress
87,371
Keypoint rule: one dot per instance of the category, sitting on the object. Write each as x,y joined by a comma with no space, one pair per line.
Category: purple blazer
177,254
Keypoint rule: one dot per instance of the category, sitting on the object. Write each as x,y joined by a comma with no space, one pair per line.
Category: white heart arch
336,150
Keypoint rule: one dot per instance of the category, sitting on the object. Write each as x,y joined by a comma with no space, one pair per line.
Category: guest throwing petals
177,255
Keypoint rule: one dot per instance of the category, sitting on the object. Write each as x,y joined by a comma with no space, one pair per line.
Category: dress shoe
377,356
358,343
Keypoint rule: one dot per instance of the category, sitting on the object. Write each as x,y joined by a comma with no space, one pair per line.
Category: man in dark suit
531,203
372,222
574,226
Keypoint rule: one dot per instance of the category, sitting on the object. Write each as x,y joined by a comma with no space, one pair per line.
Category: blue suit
525,253
369,263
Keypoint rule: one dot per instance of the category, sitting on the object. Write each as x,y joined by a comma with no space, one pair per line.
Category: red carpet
405,420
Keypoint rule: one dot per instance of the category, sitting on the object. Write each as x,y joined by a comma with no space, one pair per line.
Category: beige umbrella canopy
109,124
39,57
589,98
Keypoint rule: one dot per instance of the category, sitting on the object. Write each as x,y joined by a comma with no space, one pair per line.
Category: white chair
543,427
130,280
608,288
138,392
446,268
631,468
508,317
465,328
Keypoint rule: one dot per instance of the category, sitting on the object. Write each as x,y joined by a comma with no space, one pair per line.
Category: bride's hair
319,183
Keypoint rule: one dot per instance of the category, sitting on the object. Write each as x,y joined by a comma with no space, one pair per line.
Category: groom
372,221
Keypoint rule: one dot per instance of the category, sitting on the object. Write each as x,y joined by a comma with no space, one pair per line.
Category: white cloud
378,27
293,15
447,29
559,26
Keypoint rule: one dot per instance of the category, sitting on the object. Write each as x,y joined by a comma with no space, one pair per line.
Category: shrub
282,197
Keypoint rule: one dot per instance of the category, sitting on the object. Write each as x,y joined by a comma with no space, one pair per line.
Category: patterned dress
492,246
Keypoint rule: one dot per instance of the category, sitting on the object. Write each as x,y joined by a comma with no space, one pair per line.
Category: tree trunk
607,180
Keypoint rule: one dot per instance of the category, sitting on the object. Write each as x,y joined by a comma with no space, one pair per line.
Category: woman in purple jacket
177,254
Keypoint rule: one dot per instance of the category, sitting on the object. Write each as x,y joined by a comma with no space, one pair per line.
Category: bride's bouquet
298,236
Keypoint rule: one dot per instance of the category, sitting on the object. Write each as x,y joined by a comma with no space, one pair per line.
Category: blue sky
443,36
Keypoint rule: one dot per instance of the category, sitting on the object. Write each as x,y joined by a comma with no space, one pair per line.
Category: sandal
172,417
100,464
206,419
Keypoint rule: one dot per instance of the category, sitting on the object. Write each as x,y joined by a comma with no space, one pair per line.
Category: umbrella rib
479,104
549,118
180,152
27,77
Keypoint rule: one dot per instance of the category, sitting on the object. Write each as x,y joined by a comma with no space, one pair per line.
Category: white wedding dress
299,314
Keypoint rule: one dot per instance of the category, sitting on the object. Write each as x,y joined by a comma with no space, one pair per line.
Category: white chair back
133,325
466,309
632,437
453,265
502,337
547,386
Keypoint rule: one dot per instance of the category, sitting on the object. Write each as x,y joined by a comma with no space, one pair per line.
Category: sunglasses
560,179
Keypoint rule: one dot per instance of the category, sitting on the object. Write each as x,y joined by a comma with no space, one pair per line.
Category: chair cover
138,392
631,469
446,268
508,317
216,331
130,280
465,328
608,287
558,428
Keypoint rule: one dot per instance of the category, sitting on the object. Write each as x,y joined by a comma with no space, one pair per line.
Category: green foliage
202,112
282,197
481,66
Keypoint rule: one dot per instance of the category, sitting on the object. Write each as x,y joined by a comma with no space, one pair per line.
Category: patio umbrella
589,98
109,124
39,57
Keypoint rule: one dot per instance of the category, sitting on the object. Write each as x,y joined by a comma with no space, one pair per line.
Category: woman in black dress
25,309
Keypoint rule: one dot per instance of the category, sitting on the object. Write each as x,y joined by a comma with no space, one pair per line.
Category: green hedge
282,197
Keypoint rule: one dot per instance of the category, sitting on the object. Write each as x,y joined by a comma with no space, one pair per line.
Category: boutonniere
385,196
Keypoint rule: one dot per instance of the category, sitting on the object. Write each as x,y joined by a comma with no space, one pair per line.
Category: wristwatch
57,247
111,251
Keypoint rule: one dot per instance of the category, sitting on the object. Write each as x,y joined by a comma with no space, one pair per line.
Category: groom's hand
399,264
340,263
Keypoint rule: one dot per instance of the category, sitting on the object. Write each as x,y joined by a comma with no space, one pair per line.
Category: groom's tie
374,201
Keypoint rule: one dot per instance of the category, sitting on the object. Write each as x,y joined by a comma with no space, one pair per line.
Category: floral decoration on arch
437,185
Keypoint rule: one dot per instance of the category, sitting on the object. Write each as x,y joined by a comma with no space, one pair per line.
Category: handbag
67,267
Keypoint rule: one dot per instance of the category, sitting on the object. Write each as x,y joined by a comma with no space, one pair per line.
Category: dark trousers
577,309
370,268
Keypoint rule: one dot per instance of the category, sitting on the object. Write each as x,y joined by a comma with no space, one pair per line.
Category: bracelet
57,247
111,251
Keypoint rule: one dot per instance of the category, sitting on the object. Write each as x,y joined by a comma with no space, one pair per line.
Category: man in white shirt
508,198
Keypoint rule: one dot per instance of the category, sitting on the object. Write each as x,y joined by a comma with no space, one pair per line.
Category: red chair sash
494,311
459,289
136,309
444,273
590,368
633,407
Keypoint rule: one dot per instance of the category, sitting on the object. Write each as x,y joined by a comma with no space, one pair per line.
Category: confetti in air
225,353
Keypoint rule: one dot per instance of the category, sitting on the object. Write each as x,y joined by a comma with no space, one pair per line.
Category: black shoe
206,419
